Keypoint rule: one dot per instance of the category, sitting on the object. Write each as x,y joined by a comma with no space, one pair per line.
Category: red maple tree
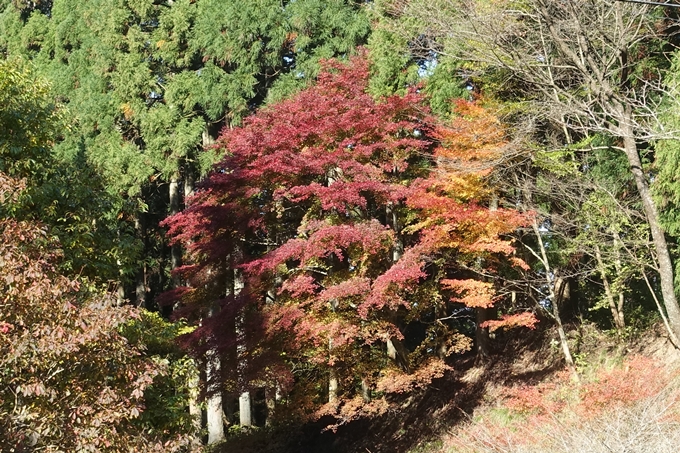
326,205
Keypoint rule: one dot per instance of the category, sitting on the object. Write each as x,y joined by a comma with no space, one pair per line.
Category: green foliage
166,400
30,119
148,85
398,61
445,84
317,29
63,191
393,66
666,184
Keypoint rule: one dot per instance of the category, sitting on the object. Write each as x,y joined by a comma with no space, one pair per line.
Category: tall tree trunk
214,406
271,392
214,403
333,382
395,347
658,237
482,334
245,413
270,398
619,271
214,412
175,249
482,340
244,402
195,412
393,221
140,277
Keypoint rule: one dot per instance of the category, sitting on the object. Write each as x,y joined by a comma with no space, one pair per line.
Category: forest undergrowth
626,399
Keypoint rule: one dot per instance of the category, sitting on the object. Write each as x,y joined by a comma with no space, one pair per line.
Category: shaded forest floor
498,403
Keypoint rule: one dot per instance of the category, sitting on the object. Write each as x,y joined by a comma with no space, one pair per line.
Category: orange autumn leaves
471,145
460,212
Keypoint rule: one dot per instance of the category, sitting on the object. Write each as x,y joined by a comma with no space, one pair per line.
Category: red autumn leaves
349,225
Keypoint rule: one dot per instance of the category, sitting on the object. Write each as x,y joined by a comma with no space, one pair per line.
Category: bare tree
579,68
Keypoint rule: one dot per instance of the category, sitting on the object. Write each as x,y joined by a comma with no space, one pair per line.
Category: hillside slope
520,400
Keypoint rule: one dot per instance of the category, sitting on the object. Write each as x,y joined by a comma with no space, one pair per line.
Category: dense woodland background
326,225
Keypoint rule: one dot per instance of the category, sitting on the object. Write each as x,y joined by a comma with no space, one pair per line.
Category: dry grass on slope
630,407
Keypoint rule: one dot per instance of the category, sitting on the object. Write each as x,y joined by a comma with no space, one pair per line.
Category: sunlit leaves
70,381
335,209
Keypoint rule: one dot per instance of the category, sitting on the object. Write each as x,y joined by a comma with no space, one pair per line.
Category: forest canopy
217,218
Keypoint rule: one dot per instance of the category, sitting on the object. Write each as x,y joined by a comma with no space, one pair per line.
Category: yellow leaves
464,186
185,330
470,147
475,135
127,110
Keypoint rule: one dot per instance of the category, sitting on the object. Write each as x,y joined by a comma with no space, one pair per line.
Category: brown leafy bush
69,381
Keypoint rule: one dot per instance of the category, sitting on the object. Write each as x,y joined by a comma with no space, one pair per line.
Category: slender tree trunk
214,411
618,320
393,220
214,406
271,392
554,302
365,390
671,334
244,403
244,410
482,334
206,138
333,382
195,412
482,340
333,385
175,249
140,277
270,397
658,237
398,353
619,271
